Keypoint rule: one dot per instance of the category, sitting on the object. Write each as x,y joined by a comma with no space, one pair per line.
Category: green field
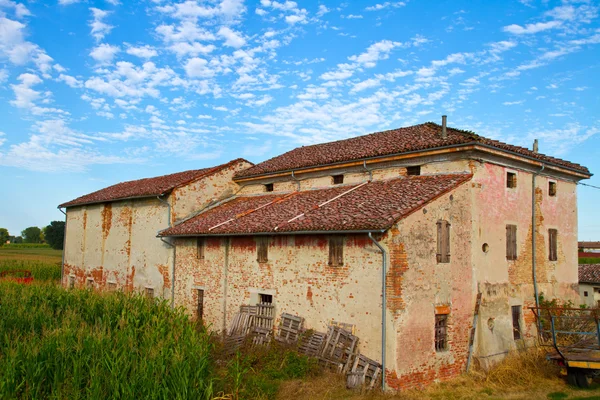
44,263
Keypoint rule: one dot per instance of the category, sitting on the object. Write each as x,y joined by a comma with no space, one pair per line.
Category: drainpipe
533,235
159,197
297,181
62,267
370,171
383,305
225,283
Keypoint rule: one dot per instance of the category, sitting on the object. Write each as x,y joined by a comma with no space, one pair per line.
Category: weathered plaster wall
116,243
194,196
593,294
417,284
297,275
504,283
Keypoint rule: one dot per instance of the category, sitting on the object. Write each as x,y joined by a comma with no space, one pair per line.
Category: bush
26,246
41,271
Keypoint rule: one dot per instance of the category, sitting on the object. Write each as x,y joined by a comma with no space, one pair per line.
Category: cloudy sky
97,92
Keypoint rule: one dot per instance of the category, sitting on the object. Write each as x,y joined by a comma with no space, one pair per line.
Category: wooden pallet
242,321
265,315
311,344
290,327
364,372
339,348
261,336
231,344
344,325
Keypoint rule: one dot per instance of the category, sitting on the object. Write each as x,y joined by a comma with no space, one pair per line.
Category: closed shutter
443,242
552,239
336,251
262,249
200,248
511,242
200,309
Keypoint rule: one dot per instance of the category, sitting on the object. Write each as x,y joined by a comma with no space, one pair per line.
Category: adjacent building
589,285
111,235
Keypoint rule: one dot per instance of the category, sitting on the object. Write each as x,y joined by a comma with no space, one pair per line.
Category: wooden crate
311,344
290,327
340,347
364,372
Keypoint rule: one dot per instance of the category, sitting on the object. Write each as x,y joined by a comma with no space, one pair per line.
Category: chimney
535,146
444,135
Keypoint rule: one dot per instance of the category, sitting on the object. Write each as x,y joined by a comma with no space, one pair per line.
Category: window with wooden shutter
336,251
552,188
516,320
511,242
262,249
511,180
443,242
441,332
552,239
200,248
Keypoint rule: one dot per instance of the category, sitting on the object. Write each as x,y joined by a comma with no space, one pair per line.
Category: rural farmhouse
422,219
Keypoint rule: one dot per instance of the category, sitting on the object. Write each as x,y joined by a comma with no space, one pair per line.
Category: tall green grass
80,344
41,271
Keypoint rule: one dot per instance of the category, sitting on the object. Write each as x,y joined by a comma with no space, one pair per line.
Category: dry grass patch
522,375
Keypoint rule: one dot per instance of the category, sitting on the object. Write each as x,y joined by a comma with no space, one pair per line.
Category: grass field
44,263
82,344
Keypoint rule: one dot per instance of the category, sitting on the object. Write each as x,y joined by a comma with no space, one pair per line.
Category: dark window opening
552,188
413,170
585,293
552,241
338,179
112,286
336,251
71,282
90,283
441,332
269,187
262,249
200,248
265,298
516,320
511,242
200,305
511,180
149,293
443,242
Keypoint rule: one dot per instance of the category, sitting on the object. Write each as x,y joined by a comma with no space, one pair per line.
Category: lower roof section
367,206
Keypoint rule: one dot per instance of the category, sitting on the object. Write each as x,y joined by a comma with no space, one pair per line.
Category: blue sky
97,92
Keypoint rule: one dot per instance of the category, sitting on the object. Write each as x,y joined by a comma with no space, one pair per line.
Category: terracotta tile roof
395,141
373,206
147,187
589,245
589,273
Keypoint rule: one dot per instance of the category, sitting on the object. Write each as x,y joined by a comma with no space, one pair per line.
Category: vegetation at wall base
589,260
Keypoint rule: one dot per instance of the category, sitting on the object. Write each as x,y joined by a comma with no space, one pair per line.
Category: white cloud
25,96
289,10
513,103
532,28
366,84
322,10
99,27
375,52
142,51
19,9
104,53
387,4
71,81
191,10
198,68
3,75
232,38
67,2
17,50
353,16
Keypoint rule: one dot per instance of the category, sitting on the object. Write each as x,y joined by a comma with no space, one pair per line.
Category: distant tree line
52,234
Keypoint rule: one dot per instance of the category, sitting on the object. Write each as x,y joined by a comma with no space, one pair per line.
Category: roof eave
274,233
463,146
67,205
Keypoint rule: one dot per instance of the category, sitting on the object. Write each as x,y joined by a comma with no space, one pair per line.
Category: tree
4,236
18,239
32,235
55,234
